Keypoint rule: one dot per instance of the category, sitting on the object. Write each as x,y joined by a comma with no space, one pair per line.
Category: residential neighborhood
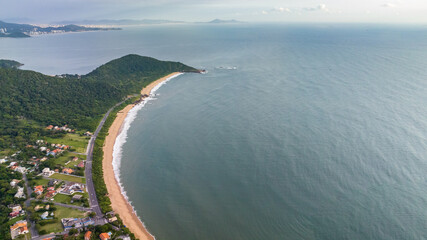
50,194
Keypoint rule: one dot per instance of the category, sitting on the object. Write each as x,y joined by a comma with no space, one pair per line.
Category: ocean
297,131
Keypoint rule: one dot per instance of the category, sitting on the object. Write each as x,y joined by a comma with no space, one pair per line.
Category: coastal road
93,200
33,229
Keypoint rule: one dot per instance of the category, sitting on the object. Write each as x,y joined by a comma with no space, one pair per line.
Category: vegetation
27,96
6,198
77,142
9,64
29,101
69,178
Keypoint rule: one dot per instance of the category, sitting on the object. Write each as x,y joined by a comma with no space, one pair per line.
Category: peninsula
51,142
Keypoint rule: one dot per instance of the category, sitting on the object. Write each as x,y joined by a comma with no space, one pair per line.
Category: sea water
296,131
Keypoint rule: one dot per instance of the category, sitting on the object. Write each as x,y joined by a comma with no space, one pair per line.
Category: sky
377,11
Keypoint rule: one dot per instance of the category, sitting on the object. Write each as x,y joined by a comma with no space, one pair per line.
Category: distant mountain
224,21
120,22
15,30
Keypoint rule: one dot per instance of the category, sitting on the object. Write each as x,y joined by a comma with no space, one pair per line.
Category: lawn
14,220
76,141
61,212
68,157
62,198
42,182
69,178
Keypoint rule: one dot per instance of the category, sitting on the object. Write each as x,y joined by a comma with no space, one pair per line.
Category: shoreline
119,201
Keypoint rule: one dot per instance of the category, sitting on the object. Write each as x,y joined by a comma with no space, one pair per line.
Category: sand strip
118,202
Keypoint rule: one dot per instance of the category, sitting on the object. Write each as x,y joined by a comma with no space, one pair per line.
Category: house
81,164
46,172
3,160
113,219
15,207
13,164
69,223
18,228
20,193
21,169
50,127
39,142
44,158
67,171
44,215
14,182
71,188
52,182
43,149
88,234
105,236
75,159
77,197
38,189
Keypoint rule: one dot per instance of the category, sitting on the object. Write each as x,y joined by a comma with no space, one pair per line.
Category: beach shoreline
119,202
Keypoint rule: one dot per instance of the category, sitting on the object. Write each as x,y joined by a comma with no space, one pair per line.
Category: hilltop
78,101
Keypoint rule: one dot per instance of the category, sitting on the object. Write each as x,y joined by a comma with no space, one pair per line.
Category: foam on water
121,138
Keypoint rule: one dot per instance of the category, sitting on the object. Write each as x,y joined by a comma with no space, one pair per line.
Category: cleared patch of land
67,157
77,142
69,178
66,199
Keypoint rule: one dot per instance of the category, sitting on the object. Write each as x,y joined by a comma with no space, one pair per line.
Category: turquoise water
318,133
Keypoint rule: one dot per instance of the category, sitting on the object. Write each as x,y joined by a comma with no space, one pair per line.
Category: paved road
68,205
33,229
93,200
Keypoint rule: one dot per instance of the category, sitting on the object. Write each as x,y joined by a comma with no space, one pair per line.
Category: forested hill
79,102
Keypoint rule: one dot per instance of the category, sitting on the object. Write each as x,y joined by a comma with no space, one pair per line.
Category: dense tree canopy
78,101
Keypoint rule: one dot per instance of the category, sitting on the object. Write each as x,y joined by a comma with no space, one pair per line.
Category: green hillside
30,100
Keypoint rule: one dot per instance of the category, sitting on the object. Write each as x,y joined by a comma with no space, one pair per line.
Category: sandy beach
118,202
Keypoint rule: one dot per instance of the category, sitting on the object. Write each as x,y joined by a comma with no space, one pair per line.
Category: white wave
122,137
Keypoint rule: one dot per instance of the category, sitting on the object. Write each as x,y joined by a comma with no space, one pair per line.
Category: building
77,197
88,234
44,215
38,189
20,193
46,172
20,169
18,228
3,160
69,223
14,182
67,171
71,188
81,164
105,236
113,219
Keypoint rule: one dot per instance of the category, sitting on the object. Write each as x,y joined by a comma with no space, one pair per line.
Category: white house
20,193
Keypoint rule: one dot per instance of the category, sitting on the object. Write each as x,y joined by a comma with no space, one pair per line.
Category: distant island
15,30
134,22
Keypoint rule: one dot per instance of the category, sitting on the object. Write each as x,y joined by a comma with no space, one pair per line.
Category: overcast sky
47,11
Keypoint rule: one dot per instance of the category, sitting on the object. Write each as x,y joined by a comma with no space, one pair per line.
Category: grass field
62,198
67,157
42,182
76,141
61,212
69,178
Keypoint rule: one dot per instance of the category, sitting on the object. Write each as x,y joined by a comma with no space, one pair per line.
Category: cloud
321,7
389,5
281,9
